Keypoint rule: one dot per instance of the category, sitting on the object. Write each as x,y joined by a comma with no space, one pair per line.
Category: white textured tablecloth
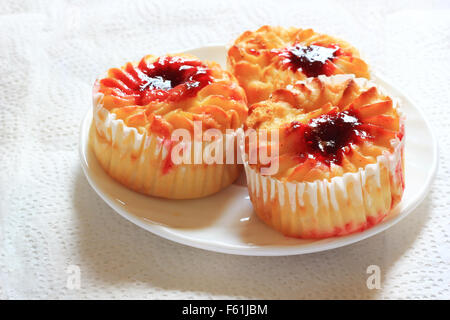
51,219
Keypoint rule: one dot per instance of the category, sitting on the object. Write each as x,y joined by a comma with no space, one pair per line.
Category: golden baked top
327,126
160,94
273,57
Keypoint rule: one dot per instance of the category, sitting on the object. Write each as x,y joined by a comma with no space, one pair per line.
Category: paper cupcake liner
335,207
142,161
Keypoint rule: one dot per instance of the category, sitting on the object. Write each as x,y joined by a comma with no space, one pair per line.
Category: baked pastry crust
138,106
340,164
270,58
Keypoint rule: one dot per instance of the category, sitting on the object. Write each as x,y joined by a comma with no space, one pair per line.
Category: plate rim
267,250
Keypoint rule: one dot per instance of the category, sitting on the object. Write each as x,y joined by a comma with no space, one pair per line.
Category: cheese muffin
137,109
272,57
340,157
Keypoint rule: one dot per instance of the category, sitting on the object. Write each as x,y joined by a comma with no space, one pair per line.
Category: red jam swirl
168,78
326,137
312,60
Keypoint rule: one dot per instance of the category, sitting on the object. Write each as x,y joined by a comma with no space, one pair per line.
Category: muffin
339,166
270,58
139,107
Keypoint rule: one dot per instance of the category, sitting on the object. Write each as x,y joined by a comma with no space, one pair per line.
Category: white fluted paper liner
138,160
325,208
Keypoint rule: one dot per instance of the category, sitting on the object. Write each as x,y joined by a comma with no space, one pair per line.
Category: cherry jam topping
312,60
168,78
327,136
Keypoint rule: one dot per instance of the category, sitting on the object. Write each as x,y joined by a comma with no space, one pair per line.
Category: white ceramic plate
225,222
